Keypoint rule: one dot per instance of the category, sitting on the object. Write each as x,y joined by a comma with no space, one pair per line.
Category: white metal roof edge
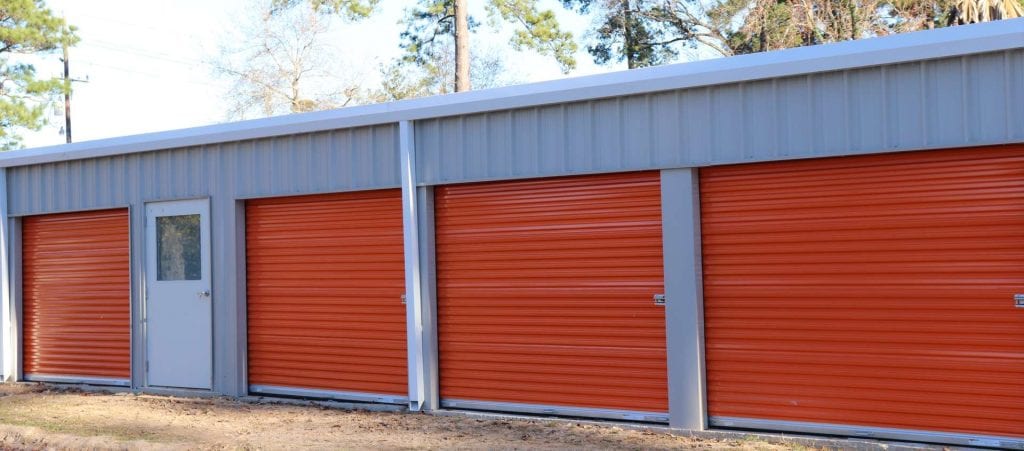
907,47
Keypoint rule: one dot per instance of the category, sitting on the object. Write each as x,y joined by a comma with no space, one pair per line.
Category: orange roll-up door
869,291
325,277
76,296
545,292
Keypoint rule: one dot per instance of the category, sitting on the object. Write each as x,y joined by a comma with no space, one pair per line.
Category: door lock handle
1018,300
204,294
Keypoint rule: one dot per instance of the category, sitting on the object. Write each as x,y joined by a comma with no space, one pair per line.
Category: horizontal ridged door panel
325,275
545,292
76,295
869,291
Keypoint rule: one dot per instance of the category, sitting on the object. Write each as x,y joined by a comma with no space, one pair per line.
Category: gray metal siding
950,102
343,160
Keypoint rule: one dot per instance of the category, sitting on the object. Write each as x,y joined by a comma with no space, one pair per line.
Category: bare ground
47,417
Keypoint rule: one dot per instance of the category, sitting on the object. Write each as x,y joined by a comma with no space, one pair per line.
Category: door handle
204,294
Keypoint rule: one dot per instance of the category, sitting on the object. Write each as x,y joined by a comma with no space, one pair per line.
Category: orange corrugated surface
77,294
545,292
325,279
873,291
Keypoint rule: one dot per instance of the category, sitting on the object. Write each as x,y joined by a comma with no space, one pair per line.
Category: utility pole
67,81
67,95
67,91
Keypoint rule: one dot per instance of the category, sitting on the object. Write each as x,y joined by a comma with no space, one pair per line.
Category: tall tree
912,15
489,68
461,12
651,32
634,31
963,12
432,24
27,27
279,62
745,26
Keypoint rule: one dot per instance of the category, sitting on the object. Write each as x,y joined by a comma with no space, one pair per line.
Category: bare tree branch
280,63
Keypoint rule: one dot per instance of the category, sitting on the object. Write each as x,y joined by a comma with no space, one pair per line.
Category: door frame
204,208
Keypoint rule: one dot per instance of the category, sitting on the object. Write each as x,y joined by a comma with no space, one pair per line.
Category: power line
150,74
144,53
148,26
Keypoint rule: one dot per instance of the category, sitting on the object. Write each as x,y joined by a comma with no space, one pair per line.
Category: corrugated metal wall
940,103
343,160
326,274
77,289
545,292
355,159
871,291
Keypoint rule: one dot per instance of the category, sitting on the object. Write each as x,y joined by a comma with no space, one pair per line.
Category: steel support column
684,306
428,287
413,288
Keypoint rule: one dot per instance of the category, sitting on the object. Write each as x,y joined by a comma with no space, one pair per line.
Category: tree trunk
627,33
461,47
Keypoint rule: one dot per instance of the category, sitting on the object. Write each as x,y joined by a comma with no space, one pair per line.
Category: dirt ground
47,417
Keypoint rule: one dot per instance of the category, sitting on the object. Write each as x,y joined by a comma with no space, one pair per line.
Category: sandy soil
45,417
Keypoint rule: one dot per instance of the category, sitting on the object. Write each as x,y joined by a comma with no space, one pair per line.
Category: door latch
403,299
1018,300
659,299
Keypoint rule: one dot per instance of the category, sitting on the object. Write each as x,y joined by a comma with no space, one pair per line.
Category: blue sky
144,61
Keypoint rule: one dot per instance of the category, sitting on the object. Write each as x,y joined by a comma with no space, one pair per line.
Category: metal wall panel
344,160
872,291
952,102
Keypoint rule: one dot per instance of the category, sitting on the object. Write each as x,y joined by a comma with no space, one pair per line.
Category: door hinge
659,299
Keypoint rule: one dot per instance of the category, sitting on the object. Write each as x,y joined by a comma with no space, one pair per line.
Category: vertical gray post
413,289
8,352
14,272
137,243
428,285
241,345
684,306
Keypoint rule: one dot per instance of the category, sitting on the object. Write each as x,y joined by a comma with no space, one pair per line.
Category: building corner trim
8,319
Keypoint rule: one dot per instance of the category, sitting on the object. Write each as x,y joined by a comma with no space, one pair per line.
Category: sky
144,63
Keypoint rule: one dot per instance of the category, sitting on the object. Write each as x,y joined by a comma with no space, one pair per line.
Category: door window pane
178,248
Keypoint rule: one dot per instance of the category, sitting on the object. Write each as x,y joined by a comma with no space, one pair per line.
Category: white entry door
179,301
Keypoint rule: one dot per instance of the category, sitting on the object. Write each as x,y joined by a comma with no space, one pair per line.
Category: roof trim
916,46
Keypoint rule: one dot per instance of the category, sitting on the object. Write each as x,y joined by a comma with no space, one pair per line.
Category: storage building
821,240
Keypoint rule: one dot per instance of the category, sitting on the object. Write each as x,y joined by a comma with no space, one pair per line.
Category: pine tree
27,27
431,26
